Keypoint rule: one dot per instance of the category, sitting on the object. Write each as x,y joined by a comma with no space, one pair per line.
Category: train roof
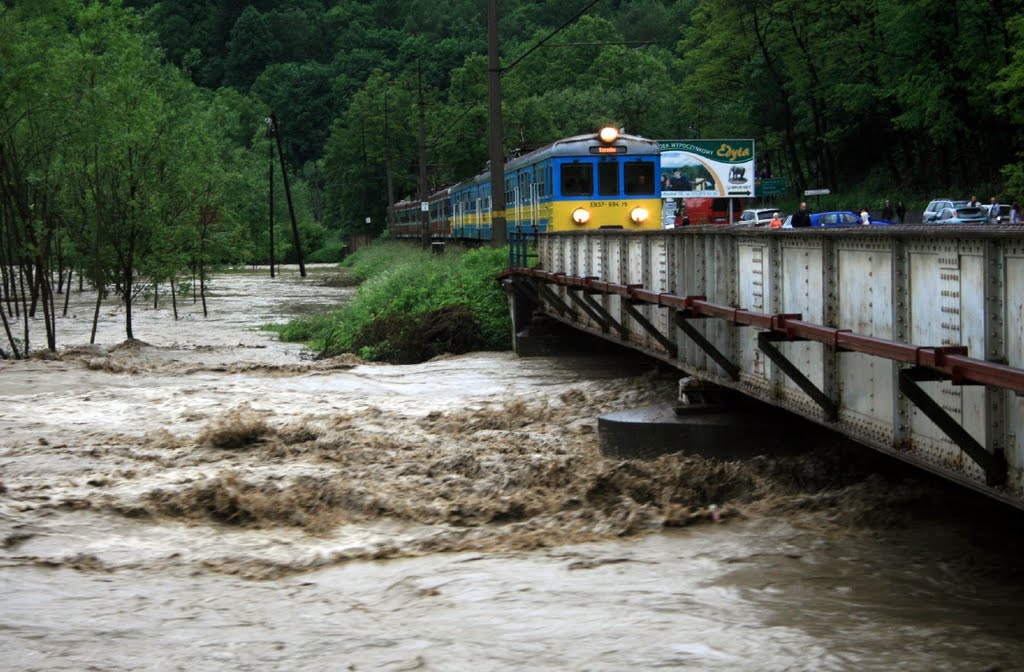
577,145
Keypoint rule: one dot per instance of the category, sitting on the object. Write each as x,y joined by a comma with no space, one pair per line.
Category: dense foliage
413,305
882,97
133,148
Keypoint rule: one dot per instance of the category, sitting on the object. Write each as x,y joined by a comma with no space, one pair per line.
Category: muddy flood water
208,498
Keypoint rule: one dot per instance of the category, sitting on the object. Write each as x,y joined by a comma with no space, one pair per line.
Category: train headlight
639,215
581,215
608,134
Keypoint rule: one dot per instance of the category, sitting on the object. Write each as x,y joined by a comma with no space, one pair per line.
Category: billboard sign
707,168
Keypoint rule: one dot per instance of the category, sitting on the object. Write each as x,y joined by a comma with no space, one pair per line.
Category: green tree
253,47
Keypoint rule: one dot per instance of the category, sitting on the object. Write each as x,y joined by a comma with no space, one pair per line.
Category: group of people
896,215
1016,214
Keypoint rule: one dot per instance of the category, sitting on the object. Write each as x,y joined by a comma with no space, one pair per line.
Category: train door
526,198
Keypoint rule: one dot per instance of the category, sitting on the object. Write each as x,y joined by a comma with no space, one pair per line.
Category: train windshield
577,179
639,178
608,178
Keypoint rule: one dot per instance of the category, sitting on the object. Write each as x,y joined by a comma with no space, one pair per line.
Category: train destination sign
609,149
703,168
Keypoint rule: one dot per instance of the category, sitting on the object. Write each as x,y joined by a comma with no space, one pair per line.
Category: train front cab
606,192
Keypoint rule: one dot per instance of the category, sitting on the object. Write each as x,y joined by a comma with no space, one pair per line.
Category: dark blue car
836,218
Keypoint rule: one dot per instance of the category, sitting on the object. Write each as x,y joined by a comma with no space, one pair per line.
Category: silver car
931,213
757,217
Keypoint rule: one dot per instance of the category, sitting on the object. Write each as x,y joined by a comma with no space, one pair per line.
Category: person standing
801,218
901,212
865,217
993,210
887,212
974,202
1016,216
776,222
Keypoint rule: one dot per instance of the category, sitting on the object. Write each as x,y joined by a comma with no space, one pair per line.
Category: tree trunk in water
67,293
96,315
10,335
24,306
202,287
34,280
174,299
128,312
156,295
46,294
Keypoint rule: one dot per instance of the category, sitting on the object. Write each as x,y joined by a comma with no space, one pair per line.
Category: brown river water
208,498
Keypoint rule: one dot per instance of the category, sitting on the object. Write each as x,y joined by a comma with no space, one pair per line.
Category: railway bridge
907,339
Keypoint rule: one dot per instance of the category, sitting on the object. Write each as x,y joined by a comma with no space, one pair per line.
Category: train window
608,178
542,185
639,178
577,179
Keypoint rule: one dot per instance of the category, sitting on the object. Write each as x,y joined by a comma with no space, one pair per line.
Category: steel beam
554,300
650,328
594,315
707,346
765,341
993,464
589,299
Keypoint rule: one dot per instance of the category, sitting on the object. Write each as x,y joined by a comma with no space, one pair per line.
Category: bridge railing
907,339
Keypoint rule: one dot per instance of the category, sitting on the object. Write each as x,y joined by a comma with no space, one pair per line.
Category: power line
549,36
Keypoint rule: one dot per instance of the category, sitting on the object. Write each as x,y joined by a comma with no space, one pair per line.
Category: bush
413,305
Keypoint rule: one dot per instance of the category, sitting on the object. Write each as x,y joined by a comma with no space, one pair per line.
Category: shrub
413,305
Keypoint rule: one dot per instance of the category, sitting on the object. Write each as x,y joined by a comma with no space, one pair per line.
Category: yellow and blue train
600,180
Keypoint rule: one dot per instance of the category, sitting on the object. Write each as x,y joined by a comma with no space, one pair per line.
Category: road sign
816,192
770,186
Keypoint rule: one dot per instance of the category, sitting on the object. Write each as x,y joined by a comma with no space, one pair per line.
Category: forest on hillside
876,95
134,151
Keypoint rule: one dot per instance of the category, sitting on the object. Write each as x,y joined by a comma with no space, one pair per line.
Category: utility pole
499,236
288,194
270,175
387,164
424,206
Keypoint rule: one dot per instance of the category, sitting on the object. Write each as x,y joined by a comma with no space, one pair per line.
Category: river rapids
209,498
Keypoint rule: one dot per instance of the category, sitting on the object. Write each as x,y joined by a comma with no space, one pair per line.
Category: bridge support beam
765,343
594,315
994,465
665,341
554,300
596,305
708,347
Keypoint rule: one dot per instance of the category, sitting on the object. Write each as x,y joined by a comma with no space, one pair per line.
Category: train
602,180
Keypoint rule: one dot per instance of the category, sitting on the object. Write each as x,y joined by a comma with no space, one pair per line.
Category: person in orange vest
776,222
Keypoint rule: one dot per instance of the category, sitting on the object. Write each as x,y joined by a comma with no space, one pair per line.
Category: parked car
757,217
937,206
835,218
963,214
1002,217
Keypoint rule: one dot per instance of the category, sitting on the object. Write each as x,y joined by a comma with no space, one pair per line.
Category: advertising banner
703,168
